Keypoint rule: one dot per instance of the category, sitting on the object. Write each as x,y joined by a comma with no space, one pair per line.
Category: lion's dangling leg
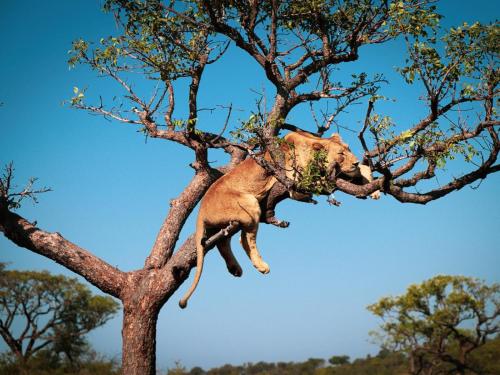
248,241
249,220
268,204
232,264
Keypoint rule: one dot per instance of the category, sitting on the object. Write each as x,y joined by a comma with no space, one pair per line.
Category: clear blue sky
111,193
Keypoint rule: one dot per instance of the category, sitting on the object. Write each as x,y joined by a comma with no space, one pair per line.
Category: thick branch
14,345
196,74
359,190
412,181
54,246
181,208
423,198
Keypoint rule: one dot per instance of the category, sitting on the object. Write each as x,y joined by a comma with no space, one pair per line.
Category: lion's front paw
283,224
263,268
280,223
375,195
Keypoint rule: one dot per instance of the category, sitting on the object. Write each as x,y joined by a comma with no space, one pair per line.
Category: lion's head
341,161
320,160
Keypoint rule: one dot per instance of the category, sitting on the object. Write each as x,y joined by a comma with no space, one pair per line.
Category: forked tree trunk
139,340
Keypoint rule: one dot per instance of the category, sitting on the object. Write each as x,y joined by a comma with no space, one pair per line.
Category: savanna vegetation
486,361
44,320
445,325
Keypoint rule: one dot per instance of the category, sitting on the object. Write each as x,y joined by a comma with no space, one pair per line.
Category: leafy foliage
339,360
297,43
314,177
441,321
461,67
47,362
55,312
386,362
250,131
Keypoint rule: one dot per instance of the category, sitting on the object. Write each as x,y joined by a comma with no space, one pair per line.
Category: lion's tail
198,237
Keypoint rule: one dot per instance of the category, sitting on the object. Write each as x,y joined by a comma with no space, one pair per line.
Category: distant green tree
259,368
339,360
40,311
226,370
178,369
439,323
197,371
310,366
387,362
47,362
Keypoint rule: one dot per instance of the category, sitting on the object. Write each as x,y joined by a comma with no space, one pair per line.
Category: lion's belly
260,191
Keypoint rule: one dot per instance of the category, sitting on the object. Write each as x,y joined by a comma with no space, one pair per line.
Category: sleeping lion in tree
236,196
279,191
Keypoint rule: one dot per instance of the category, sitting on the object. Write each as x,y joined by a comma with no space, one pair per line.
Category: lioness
279,192
236,196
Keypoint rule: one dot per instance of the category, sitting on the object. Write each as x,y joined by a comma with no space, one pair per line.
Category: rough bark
142,292
180,209
139,336
54,246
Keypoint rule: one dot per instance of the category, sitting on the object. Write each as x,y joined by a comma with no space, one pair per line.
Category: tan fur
366,173
307,140
236,196
338,153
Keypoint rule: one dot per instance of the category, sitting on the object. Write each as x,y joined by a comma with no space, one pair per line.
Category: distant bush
46,362
386,362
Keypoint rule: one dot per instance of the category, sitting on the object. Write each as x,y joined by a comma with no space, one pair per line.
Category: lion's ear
317,146
336,138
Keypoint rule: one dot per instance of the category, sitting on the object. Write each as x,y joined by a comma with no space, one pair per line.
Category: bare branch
362,132
12,200
171,106
106,113
54,246
229,110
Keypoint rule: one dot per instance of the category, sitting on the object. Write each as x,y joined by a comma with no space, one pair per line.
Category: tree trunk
139,339
23,365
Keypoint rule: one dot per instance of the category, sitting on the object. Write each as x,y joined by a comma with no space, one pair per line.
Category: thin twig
362,132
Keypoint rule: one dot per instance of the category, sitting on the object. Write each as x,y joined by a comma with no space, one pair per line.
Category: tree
40,311
177,370
441,322
298,45
46,362
339,360
486,357
197,371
